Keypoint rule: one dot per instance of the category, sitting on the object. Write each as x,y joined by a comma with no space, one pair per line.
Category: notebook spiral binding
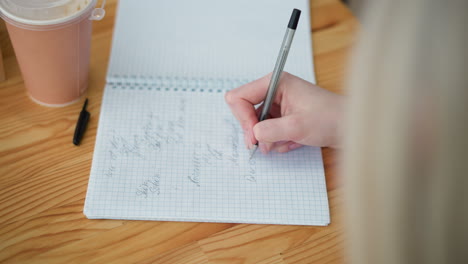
158,83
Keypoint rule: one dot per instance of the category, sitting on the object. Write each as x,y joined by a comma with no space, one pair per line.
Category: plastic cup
52,40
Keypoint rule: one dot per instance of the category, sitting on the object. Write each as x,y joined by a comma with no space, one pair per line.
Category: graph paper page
208,39
178,154
167,146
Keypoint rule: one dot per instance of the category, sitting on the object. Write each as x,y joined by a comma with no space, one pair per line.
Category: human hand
301,114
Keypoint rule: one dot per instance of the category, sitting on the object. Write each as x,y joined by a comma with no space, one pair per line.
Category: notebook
168,148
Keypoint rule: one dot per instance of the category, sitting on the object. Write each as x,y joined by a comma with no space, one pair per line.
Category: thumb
285,128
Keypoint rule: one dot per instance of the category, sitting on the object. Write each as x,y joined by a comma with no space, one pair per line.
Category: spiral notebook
168,147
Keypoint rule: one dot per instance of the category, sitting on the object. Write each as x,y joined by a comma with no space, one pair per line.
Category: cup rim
37,24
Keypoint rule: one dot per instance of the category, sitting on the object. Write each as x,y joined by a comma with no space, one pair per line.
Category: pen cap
296,14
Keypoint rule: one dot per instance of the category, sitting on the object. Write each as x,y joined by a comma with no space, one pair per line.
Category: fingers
253,92
242,101
280,147
275,111
264,147
283,147
285,128
274,133
267,147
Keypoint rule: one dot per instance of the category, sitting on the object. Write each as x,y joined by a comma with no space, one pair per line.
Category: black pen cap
296,14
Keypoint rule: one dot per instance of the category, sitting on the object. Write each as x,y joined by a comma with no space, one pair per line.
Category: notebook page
177,154
239,40
168,147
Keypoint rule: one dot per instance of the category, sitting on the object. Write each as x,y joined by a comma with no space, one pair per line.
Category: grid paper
207,39
178,155
168,148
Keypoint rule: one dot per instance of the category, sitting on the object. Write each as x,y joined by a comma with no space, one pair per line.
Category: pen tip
85,104
252,151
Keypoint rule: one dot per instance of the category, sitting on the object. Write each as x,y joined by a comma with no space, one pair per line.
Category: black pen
279,66
81,124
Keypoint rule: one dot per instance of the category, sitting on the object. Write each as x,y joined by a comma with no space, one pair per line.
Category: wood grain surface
2,68
43,177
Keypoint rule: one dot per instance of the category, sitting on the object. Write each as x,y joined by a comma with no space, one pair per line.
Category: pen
279,66
81,124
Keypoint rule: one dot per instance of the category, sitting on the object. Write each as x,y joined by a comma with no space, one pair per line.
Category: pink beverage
52,40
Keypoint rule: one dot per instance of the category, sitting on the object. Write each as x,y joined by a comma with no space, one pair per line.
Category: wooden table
43,178
2,70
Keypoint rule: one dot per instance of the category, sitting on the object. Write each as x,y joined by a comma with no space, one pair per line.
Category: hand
301,114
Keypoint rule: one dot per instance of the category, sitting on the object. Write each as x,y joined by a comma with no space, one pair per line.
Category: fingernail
246,141
251,135
251,138
294,146
263,148
282,149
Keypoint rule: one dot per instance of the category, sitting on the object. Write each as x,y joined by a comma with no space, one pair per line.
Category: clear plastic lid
49,14
43,9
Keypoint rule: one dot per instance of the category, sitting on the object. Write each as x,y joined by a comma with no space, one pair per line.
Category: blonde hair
405,151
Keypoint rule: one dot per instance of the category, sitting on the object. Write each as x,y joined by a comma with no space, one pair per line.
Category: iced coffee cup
51,40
